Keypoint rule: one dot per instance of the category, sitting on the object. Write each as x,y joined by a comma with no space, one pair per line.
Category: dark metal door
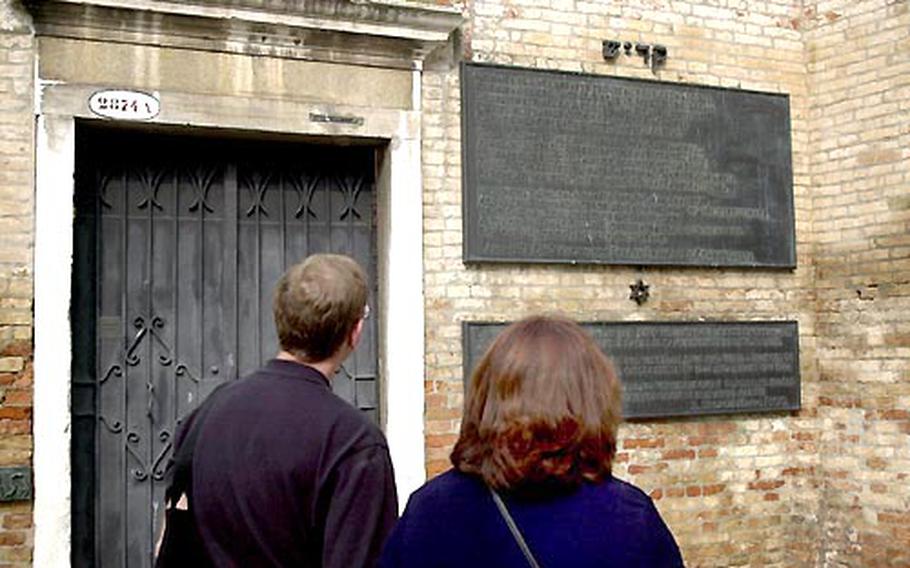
178,244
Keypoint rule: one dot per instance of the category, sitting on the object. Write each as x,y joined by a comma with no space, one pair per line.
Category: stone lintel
382,33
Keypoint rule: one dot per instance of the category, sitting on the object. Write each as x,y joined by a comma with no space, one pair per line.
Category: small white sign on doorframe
124,105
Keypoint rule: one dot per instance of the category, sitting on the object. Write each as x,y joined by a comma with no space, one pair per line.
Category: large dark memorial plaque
688,368
571,168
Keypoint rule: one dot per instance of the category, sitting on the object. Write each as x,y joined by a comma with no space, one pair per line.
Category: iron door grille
178,244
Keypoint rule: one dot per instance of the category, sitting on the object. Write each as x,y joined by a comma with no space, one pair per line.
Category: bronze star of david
640,292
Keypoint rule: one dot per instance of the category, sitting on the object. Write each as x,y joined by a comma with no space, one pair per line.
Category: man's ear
354,338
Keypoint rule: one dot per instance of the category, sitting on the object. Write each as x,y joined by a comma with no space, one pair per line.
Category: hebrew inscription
688,368
571,168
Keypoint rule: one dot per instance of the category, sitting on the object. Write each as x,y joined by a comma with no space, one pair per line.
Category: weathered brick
17,521
840,63
678,459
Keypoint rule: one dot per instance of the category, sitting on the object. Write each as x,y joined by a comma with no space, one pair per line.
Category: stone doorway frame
400,263
392,35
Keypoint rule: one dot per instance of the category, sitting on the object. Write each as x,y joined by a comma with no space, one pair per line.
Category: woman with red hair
532,483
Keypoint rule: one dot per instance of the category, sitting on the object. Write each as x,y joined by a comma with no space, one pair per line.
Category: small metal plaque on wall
15,484
688,368
124,105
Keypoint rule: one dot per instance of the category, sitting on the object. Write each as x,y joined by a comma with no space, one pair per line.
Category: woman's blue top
452,521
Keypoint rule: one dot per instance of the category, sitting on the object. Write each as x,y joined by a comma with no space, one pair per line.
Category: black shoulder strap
513,528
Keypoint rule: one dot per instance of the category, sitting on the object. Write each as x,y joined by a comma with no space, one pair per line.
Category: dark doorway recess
179,240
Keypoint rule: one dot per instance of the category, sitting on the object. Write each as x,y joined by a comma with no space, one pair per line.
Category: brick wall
824,487
735,491
16,235
860,139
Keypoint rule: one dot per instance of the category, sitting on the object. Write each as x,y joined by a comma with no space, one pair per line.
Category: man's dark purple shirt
453,522
285,473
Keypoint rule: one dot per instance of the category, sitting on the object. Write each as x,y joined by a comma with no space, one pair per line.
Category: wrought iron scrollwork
183,371
156,323
151,178
351,192
114,428
201,180
305,186
138,473
257,185
140,470
152,328
131,358
115,370
158,470
158,473
148,329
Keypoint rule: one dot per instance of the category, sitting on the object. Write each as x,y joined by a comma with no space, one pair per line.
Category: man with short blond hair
317,305
285,473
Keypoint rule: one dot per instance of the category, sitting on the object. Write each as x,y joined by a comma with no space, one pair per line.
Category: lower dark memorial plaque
688,368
